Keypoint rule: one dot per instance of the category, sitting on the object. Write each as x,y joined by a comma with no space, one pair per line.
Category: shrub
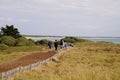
1,35
8,40
21,41
74,39
30,42
3,47
0,39
42,42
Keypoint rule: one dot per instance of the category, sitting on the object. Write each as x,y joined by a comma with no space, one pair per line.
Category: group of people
63,44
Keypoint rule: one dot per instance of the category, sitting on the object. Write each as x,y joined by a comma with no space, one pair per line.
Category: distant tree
10,31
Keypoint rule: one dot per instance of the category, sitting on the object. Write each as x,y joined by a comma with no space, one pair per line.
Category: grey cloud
71,17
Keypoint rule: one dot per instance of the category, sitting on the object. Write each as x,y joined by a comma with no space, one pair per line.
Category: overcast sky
62,17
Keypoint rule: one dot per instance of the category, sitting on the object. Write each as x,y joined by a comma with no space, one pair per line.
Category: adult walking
50,44
65,45
56,45
61,44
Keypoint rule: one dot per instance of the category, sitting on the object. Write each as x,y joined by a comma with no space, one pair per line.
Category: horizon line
70,36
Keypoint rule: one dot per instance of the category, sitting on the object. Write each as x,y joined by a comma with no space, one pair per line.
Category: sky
62,17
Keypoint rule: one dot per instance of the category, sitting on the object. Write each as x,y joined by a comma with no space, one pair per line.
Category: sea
95,39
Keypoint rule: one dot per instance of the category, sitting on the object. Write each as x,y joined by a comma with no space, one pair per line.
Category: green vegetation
42,42
74,40
8,40
22,41
86,61
3,46
10,31
10,37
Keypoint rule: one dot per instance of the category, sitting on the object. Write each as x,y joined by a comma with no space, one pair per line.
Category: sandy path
25,60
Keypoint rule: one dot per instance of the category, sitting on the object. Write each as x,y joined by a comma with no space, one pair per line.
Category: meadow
85,61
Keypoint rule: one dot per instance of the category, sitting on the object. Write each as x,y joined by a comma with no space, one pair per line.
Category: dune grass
16,52
86,61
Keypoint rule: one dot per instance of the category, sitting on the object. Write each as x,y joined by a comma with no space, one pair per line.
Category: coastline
115,40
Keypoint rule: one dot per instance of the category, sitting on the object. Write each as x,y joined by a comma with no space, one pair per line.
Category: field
85,61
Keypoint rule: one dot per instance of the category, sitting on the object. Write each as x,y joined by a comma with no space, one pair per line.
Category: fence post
3,75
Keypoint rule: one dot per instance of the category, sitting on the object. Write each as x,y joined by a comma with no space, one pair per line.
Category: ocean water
113,40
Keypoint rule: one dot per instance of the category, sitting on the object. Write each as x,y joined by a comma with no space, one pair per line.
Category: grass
16,52
86,61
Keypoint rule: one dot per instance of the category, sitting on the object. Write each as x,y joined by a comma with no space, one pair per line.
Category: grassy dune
15,52
86,61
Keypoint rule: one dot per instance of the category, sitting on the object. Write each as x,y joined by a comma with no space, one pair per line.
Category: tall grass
80,63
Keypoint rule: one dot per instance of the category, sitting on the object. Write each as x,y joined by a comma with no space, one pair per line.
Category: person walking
61,44
65,45
50,44
56,45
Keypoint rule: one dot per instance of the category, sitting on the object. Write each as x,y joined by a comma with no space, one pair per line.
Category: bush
42,42
74,39
3,47
22,41
8,40
69,39
30,42
1,35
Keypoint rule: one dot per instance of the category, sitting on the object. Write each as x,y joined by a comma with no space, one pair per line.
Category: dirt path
25,60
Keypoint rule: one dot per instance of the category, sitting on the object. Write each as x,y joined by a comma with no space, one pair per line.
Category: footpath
28,61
